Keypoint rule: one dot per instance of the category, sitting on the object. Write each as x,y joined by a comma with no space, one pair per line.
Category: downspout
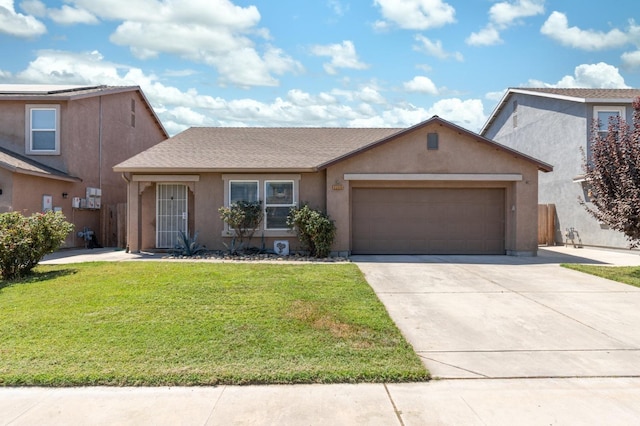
128,226
100,145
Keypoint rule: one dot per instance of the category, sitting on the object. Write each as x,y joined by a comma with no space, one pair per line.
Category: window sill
284,233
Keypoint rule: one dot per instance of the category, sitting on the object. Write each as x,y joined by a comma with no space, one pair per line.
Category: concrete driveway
509,317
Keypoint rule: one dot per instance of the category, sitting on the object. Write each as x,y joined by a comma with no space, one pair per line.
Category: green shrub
243,219
188,246
25,240
315,230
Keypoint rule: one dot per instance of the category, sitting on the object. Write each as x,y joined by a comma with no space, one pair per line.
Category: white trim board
506,177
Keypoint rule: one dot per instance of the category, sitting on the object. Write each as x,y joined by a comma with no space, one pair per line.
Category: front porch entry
171,213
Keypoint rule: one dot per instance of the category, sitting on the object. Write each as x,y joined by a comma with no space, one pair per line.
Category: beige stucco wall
206,196
457,154
96,133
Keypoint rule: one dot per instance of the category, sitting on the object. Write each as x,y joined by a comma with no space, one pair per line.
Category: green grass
174,323
624,274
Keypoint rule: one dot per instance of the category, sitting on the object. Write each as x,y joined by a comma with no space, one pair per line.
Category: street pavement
511,341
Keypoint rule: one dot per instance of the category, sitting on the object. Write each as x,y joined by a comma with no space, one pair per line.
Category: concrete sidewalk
447,402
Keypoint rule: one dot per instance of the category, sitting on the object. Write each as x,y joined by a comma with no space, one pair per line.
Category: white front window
42,129
602,115
279,198
277,194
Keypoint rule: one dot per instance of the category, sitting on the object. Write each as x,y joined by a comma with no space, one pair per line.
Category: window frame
262,180
620,109
231,182
266,205
29,149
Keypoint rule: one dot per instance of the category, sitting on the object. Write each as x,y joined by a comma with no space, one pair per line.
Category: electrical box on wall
92,201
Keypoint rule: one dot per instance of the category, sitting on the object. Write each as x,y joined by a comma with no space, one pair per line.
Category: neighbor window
277,202
42,130
603,113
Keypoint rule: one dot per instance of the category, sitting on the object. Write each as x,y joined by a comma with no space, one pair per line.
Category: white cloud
34,7
342,56
466,113
557,28
68,16
17,24
600,75
487,36
495,96
434,48
338,7
503,15
631,59
415,14
217,33
421,84
179,109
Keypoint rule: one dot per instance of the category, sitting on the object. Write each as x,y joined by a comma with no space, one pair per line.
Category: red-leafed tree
613,175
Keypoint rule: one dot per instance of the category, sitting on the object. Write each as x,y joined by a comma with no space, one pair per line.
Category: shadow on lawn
36,277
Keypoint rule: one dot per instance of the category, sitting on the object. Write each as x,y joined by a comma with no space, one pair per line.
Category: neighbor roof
581,95
55,92
259,149
17,163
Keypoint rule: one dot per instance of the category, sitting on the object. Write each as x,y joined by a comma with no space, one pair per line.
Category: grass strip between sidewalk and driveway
623,274
197,323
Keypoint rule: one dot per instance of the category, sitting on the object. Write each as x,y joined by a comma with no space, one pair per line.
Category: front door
171,213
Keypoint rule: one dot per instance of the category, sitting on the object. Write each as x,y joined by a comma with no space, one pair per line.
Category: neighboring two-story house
58,145
555,125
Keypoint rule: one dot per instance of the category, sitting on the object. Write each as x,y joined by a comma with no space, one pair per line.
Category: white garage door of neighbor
428,221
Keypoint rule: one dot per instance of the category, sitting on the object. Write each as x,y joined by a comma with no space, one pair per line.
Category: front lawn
624,274
197,323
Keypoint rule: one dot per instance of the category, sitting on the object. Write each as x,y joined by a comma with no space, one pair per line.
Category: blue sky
346,63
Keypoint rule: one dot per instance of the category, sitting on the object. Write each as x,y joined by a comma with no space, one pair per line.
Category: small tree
25,240
613,175
243,218
315,230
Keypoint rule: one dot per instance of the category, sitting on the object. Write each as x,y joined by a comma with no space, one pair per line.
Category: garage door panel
428,221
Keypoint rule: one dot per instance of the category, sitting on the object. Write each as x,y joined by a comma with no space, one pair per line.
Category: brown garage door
428,221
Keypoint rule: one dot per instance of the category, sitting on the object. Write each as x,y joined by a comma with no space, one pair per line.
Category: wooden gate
547,224
113,225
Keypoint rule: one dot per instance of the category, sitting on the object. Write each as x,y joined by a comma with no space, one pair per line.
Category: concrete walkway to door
511,317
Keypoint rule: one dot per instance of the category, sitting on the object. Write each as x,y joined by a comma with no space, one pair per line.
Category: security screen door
171,214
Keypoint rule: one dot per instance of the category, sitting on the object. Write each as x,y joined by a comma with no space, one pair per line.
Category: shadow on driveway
550,255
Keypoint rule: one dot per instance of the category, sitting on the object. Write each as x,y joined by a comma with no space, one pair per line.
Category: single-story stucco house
433,188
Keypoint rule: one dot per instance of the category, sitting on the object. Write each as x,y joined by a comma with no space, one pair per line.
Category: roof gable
581,95
52,93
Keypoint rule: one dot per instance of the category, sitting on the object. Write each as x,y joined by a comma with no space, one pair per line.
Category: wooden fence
113,225
547,224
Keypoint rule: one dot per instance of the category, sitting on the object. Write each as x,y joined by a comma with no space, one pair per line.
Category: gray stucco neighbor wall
557,132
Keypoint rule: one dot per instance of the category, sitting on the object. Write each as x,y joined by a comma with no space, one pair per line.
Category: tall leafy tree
612,172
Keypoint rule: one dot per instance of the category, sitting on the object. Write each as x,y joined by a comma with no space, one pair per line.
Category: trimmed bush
315,230
243,219
25,240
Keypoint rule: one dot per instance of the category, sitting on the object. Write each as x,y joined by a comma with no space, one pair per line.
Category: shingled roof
281,149
17,163
252,148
